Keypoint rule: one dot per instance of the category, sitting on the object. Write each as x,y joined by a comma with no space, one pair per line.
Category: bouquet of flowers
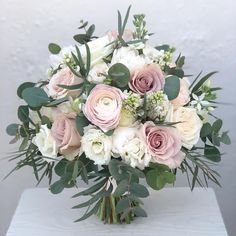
112,111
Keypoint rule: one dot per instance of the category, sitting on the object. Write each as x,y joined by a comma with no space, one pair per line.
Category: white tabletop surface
171,212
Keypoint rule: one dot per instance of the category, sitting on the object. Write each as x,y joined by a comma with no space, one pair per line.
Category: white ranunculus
128,145
96,145
97,73
189,127
46,143
129,57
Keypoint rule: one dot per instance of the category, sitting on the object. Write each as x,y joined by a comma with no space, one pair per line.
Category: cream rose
189,127
103,106
96,145
132,149
184,94
66,135
46,143
65,77
163,143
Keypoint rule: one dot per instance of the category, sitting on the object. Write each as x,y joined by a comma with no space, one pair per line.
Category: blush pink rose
65,77
148,79
103,107
163,143
127,36
66,135
184,94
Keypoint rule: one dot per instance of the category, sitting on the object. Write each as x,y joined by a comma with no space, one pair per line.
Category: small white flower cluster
158,106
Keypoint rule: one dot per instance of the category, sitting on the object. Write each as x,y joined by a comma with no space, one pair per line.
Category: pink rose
184,94
163,143
103,107
66,135
148,79
65,77
127,36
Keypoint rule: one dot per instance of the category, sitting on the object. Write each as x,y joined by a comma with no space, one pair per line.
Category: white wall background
205,31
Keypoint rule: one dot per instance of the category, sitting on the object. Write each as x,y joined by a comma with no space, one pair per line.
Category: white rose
96,74
99,49
129,57
189,127
46,143
96,145
152,54
130,147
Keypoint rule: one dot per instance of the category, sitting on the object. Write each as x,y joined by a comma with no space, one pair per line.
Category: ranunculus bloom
147,79
184,94
189,127
163,143
103,106
66,135
65,77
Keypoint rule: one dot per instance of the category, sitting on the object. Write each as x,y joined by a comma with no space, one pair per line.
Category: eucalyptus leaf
81,122
24,86
172,87
122,205
23,113
212,153
140,212
12,129
139,190
35,97
54,48
119,74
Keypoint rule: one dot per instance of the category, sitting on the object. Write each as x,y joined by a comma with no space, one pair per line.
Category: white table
171,212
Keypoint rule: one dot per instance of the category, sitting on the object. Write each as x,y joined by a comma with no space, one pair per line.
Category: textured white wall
205,31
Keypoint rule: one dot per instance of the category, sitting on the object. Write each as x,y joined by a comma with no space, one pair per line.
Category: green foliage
119,74
158,176
24,86
12,129
122,25
81,122
85,38
201,81
212,153
35,97
172,87
54,48
23,113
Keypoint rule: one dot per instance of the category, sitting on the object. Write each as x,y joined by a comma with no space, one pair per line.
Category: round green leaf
24,86
35,97
139,190
206,130
57,187
12,129
172,87
212,153
23,113
119,74
54,48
